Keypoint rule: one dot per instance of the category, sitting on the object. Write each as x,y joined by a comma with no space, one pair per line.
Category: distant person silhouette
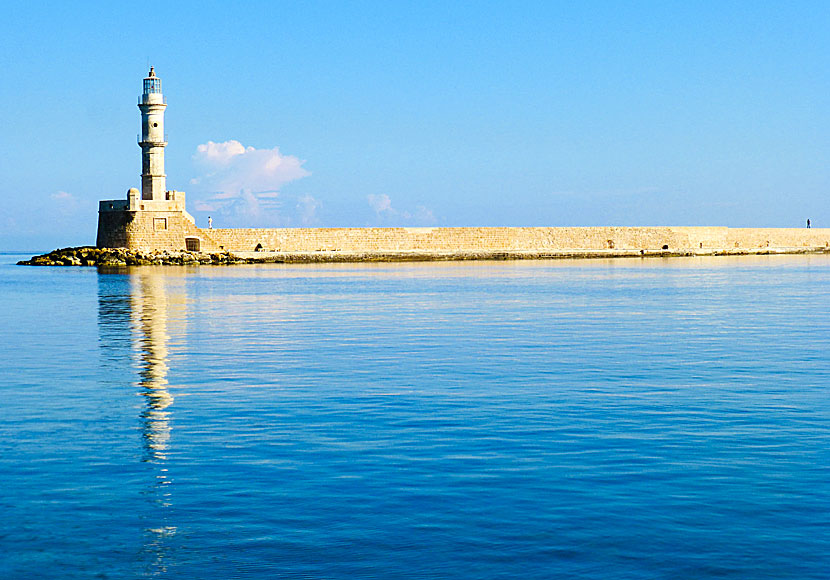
210,223
808,224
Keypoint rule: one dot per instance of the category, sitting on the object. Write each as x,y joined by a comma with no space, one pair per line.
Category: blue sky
429,113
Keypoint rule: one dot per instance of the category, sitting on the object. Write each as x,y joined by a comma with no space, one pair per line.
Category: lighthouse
152,141
154,218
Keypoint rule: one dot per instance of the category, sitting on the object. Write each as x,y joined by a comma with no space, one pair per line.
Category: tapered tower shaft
152,141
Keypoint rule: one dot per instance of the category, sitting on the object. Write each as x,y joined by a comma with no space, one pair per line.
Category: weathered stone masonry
141,230
513,239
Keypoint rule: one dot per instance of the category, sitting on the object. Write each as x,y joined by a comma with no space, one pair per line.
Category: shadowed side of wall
112,229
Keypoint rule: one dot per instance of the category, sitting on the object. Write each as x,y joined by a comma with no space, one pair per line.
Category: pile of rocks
86,256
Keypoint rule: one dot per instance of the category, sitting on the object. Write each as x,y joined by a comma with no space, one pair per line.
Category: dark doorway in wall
193,244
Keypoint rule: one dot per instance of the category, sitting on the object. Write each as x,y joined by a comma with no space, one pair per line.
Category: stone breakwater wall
150,228
396,244
473,240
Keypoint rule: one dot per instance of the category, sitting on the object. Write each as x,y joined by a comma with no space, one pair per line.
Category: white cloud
64,202
221,153
307,208
382,205
242,181
423,215
62,196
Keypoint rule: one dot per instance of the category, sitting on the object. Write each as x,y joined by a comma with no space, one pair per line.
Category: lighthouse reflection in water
151,299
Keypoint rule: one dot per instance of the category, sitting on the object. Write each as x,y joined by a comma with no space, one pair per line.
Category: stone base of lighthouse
143,224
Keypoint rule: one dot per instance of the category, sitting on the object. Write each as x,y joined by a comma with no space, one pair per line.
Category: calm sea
557,419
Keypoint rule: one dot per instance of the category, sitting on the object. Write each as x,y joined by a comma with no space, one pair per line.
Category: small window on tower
160,223
155,124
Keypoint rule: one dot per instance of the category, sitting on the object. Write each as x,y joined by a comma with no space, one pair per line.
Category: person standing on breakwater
808,223
210,223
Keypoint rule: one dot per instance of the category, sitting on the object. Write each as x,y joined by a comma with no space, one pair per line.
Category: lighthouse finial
152,72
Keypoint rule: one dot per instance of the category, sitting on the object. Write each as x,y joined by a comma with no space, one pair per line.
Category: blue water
563,419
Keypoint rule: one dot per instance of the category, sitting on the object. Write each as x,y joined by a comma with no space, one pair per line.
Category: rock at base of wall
88,256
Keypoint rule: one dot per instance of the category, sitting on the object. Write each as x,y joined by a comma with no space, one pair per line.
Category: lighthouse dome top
152,84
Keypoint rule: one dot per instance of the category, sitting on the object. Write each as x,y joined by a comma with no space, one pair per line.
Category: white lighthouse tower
152,142
153,218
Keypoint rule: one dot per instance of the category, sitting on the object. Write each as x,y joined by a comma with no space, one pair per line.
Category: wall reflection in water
136,311
150,340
